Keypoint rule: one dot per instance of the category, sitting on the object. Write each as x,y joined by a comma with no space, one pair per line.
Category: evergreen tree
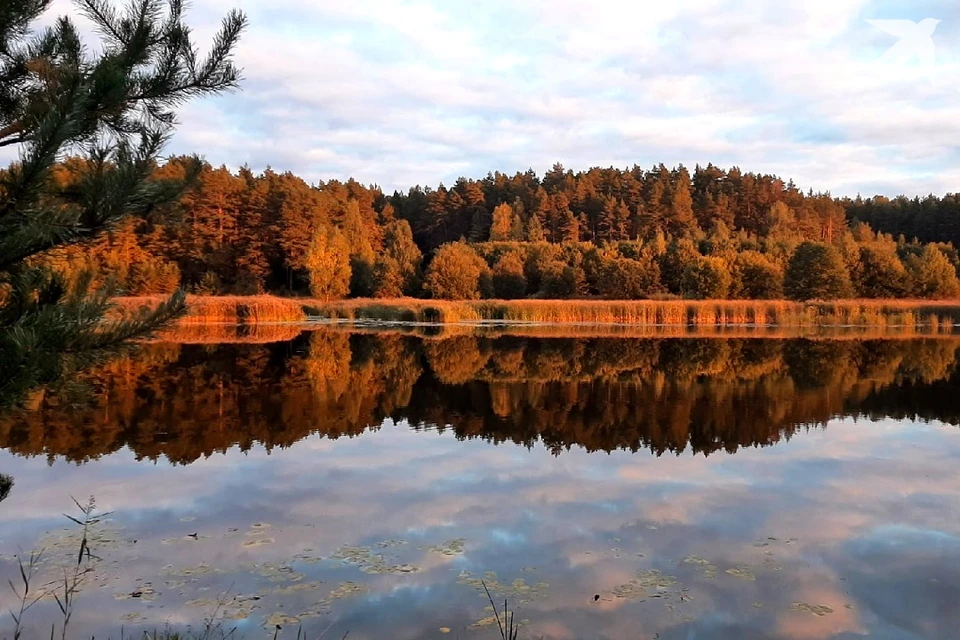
299,211
397,270
115,102
569,227
681,204
517,226
362,257
535,230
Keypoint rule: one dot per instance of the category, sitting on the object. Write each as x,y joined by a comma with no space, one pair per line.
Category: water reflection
833,533
188,401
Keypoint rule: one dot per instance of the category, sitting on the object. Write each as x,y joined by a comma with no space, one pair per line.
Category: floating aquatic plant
370,562
648,583
449,548
819,610
742,573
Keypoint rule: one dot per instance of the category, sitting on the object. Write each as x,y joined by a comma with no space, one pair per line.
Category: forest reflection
185,402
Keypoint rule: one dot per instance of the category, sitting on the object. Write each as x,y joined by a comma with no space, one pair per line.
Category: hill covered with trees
609,233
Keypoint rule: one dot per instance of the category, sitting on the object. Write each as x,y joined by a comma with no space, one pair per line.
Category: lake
367,482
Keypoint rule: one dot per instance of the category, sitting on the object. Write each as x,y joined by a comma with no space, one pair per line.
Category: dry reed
227,309
931,315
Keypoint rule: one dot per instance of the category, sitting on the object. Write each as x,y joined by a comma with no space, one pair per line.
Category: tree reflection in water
663,394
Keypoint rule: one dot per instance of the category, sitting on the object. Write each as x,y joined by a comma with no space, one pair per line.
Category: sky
406,92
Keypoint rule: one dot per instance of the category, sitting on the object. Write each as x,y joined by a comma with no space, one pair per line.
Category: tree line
610,233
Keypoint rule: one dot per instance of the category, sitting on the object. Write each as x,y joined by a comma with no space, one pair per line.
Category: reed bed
227,309
930,316
939,316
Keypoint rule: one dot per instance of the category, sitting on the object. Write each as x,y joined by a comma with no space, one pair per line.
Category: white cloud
398,92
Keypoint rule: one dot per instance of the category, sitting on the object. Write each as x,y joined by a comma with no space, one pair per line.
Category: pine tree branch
102,14
118,105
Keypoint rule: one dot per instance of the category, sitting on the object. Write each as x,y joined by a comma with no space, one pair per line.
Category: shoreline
268,318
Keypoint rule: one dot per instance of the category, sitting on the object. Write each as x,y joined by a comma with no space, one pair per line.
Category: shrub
930,275
816,271
558,280
457,272
756,277
509,282
879,273
627,279
706,278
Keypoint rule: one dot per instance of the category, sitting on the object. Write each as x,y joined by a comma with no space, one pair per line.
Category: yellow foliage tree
328,262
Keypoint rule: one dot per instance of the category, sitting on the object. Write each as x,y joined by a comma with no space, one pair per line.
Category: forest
635,233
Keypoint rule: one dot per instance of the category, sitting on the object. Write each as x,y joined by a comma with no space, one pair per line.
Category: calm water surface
702,488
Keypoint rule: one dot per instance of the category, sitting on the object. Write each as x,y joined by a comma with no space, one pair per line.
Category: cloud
399,92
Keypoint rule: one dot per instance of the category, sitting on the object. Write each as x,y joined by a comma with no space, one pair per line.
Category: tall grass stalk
74,577
26,595
508,629
64,591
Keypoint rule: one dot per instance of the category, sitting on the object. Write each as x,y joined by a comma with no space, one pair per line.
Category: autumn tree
816,271
328,263
457,273
535,230
502,223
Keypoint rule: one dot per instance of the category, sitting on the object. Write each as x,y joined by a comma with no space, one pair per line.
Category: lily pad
742,573
279,619
648,583
258,542
818,610
347,589
450,547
